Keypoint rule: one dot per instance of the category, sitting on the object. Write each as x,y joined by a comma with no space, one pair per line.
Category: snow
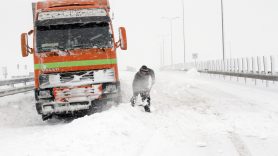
71,14
194,114
98,76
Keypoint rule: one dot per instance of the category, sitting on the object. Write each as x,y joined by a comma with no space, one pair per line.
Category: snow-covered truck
74,52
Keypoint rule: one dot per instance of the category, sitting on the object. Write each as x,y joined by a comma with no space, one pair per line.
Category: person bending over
141,86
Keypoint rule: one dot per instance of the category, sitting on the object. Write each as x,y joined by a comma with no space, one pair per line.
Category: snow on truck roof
67,3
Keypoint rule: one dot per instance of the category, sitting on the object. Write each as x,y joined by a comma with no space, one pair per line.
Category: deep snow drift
194,115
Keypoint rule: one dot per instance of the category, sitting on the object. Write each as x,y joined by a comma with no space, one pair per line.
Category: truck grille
72,79
76,94
67,77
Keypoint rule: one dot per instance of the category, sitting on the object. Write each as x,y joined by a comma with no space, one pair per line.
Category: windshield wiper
88,46
56,48
95,37
77,46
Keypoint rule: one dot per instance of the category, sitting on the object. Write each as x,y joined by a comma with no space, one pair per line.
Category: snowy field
194,115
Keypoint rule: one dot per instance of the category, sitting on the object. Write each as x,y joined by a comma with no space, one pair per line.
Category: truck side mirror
24,44
123,40
25,49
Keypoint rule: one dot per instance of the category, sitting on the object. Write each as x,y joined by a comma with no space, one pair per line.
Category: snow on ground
193,114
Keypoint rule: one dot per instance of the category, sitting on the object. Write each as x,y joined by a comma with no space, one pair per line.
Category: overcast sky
251,28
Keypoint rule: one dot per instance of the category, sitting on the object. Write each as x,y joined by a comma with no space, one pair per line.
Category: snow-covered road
193,115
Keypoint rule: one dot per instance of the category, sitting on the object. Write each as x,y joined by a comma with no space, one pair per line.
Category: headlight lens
45,94
43,79
111,88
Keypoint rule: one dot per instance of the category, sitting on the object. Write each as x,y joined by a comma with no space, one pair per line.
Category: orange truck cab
74,52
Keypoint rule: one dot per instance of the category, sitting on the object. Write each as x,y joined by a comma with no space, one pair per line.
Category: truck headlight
110,88
45,94
43,79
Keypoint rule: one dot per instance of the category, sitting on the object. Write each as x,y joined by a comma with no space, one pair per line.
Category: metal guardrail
16,81
262,68
244,75
15,90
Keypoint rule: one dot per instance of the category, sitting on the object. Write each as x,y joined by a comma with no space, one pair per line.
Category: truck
74,52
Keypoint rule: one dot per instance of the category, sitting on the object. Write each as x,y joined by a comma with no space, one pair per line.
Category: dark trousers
145,95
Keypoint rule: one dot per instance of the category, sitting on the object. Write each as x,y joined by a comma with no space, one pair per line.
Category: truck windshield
73,36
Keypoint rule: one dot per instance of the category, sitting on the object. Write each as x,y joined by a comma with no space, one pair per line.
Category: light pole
171,19
183,32
162,53
162,38
223,35
163,50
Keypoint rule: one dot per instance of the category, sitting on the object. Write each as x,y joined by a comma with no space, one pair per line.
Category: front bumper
61,108
70,100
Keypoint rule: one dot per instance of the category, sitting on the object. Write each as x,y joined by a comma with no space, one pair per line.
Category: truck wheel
39,108
46,117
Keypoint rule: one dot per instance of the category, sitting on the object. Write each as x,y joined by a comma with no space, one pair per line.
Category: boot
132,101
147,108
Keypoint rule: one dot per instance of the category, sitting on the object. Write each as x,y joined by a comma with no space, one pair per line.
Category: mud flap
39,108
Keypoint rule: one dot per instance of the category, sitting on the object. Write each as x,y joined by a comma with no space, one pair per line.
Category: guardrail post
243,67
265,65
224,65
253,65
215,65
254,68
248,64
218,66
231,67
209,65
235,65
228,65
273,70
259,64
265,68
238,67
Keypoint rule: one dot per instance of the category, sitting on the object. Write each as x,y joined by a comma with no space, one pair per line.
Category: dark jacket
141,81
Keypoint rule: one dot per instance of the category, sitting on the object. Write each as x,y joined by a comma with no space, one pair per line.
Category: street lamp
223,35
162,52
183,32
171,19
162,38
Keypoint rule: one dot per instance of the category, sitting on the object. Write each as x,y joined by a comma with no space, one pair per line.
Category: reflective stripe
75,63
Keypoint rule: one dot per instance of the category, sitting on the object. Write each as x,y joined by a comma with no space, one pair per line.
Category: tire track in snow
202,106
239,144
236,140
